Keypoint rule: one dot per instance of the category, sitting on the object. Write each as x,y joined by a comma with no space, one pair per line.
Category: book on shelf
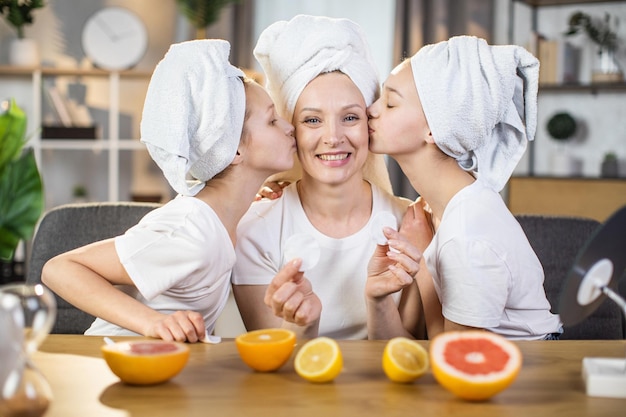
559,61
70,120
58,104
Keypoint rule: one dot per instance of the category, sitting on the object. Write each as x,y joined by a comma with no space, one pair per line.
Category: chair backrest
71,226
557,242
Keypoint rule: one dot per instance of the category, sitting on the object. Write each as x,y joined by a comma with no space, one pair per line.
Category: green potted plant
602,33
202,13
21,189
610,165
562,127
18,14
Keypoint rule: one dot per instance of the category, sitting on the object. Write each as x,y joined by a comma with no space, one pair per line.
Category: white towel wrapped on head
480,102
292,53
193,113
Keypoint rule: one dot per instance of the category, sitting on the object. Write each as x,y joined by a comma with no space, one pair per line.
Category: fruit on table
266,350
146,362
404,360
319,360
474,365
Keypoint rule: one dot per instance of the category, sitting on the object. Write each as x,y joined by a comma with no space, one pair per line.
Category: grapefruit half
145,362
474,365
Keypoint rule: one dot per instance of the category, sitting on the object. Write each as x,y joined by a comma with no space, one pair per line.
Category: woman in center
322,77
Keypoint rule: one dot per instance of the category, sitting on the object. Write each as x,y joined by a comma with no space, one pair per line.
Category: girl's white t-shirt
179,257
486,273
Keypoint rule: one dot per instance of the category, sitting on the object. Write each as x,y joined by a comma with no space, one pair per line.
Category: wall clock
114,38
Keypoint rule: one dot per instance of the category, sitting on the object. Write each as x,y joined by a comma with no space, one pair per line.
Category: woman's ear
429,138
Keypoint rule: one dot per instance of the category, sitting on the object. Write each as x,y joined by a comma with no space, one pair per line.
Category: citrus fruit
404,360
474,365
267,349
319,360
146,362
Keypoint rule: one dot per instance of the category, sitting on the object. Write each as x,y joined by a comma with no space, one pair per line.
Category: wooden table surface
216,383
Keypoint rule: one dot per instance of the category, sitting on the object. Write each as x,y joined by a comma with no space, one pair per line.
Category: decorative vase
24,52
606,68
610,168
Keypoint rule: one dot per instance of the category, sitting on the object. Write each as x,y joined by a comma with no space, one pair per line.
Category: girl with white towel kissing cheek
457,117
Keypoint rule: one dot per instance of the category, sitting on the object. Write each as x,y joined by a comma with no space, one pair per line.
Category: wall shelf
581,88
106,159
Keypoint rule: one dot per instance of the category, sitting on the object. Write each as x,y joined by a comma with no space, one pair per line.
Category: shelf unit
566,88
112,144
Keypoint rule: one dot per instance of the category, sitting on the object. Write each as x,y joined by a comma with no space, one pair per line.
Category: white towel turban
292,53
480,102
193,113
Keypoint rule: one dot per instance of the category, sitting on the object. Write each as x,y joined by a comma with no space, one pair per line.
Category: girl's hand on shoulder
417,224
182,326
393,266
271,190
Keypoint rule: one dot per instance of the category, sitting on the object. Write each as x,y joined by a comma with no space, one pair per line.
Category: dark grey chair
70,226
557,242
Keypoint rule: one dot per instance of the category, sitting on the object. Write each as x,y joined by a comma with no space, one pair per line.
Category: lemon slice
404,360
319,360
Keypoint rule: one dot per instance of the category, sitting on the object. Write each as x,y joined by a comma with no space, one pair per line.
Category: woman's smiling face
330,119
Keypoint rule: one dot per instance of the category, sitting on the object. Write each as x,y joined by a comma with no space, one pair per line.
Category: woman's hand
393,266
291,297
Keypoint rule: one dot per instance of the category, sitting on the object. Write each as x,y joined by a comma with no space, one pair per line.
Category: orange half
267,349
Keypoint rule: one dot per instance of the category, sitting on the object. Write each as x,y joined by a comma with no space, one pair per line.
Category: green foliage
21,189
599,31
19,13
202,13
561,126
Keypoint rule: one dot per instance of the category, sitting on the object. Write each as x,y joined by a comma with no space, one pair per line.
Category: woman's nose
333,135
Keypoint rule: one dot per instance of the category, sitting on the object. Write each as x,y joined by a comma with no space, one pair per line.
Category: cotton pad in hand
305,247
380,221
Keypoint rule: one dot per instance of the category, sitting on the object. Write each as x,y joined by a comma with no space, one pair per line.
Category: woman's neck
336,210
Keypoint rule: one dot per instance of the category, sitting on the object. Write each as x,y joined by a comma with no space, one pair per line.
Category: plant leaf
21,202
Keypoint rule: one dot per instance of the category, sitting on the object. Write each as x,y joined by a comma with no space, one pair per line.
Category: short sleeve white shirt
486,273
339,277
179,257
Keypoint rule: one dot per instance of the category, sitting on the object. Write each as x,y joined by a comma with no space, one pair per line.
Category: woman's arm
390,271
86,276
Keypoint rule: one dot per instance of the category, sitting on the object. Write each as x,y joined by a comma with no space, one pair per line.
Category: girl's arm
86,276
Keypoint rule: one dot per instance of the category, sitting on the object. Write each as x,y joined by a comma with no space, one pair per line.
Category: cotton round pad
305,247
380,221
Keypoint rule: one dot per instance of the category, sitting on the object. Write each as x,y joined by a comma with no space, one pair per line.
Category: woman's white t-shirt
179,257
339,277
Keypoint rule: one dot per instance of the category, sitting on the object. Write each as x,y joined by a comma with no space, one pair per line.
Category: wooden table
216,383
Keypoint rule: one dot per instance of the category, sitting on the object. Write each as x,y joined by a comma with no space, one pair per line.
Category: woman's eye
311,120
352,118
273,122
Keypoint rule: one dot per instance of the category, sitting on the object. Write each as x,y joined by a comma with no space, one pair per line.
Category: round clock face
114,38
